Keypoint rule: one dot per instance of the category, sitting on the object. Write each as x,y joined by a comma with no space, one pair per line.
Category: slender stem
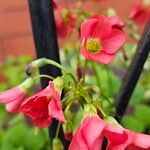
85,69
44,76
57,131
108,79
51,62
101,110
72,77
96,74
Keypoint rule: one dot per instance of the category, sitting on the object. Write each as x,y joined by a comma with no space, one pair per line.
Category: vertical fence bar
133,73
45,38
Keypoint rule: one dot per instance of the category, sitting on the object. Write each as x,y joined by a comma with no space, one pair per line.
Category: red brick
14,22
19,46
9,4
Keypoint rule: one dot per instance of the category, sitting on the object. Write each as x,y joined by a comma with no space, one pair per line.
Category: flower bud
68,115
68,130
57,144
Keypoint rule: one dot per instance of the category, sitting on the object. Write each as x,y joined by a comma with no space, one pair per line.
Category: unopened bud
68,115
68,130
57,144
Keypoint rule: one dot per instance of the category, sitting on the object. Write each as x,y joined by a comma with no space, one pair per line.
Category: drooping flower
65,21
44,106
90,134
140,13
100,41
116,22
13,98
135,141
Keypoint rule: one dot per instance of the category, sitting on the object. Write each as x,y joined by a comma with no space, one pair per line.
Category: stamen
93,46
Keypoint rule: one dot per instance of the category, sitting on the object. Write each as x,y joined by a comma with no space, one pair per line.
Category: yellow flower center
93,46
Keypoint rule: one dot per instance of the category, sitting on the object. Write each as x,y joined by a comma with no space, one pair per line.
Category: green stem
57,131
108,79
103,113
85,69
51,62
44,76
96,74
72,77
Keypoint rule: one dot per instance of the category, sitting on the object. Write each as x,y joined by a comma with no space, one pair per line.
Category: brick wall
15,30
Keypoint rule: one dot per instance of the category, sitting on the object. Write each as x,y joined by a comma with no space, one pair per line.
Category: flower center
93,46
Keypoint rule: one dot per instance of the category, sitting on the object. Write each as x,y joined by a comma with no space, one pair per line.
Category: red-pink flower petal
43,106
55,110
116,135
141,141
88,135
113,42
87,28
103,27
11,95
42,122
116,22
14,106
13,98
135,141
140,13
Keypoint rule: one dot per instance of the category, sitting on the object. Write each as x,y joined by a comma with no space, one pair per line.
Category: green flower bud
57,144
68,130
111,12
68,115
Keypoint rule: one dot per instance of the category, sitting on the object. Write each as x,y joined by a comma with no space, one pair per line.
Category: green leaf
34,140
132,123
141,113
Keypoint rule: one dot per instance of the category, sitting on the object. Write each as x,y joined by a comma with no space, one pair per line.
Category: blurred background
15,29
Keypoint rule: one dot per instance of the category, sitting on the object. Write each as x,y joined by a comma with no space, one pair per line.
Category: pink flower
135,141
100,41
140,13
116,22
90,134
13,98
65,21
44,106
